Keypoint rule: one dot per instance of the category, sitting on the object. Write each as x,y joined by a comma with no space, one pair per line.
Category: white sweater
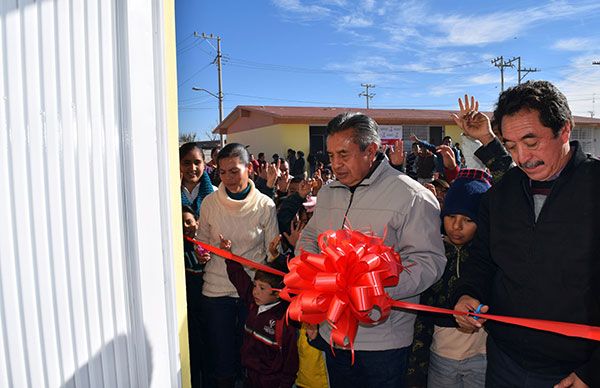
250,224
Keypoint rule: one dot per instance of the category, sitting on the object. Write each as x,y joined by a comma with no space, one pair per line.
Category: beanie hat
465,193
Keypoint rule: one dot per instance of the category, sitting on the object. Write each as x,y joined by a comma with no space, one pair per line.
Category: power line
193,75
205,51
187,48
184,39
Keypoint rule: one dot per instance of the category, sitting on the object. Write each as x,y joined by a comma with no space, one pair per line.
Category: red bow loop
344,285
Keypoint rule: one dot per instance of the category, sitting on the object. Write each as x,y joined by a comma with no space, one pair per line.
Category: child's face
192,167
263,293
459,229
190,225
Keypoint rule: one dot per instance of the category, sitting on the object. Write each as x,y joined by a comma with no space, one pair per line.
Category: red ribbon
564,328
345,284
231,256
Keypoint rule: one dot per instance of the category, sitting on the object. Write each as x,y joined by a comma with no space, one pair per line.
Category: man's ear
250,167
565,132
372,150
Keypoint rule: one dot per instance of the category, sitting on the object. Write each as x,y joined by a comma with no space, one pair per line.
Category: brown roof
247,117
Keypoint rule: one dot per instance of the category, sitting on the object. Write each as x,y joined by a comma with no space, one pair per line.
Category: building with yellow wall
274,129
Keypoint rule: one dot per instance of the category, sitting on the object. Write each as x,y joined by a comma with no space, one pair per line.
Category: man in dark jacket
297,169
536,254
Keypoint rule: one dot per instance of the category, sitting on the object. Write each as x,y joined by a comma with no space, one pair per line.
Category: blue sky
419,54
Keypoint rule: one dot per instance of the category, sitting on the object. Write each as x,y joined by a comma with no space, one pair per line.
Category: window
585,138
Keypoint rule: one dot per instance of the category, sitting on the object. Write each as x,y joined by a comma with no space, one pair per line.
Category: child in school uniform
269,351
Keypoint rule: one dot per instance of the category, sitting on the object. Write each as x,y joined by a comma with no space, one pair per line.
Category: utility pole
500,63
217,60
366,93
524,71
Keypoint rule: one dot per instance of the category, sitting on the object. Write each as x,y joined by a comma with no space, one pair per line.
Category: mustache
531,164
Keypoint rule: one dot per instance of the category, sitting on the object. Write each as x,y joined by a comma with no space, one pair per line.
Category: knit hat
465,193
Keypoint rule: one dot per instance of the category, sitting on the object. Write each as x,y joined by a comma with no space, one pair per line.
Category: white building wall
86,283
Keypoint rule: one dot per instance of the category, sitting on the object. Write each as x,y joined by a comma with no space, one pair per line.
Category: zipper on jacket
458,250
348,208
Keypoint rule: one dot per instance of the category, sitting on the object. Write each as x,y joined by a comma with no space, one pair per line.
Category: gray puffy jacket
385,202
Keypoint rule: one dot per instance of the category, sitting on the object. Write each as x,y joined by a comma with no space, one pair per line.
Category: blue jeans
447,373
371,369
224,319
504,372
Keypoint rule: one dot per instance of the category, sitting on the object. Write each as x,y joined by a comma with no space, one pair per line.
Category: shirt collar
265,307
192,196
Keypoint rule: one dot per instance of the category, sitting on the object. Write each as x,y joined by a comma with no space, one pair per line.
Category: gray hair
366,130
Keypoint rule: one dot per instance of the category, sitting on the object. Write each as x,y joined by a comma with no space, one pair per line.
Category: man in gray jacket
370,195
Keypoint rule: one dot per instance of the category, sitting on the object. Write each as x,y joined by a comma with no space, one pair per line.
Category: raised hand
262,171
273,172
283,183
448,156
397,154
473,123
304,188
295,228
274,246
224,244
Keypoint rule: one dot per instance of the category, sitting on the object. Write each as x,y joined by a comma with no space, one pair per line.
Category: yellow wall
173,139
453,131
274,139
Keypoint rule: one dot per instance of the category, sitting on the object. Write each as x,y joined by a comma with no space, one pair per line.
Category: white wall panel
86,282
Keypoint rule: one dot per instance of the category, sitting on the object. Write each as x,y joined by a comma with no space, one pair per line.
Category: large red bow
344,285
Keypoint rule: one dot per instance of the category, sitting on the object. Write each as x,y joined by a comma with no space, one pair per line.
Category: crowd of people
504,226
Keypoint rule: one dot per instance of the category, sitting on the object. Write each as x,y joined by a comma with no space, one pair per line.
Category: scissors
477,311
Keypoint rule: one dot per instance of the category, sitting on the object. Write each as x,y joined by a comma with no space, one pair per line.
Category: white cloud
460,31
441,30
446,90
339,3
574,44
354,21
303,11
368,5
484,79
374,69
581,84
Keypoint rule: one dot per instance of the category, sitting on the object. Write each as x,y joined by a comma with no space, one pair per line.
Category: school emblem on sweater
270,328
